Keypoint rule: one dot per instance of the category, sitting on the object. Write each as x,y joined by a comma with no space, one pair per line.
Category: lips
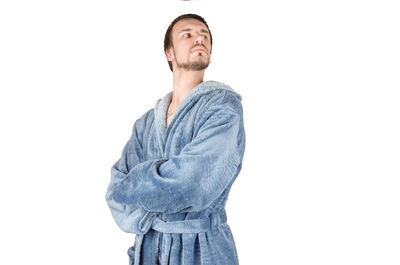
199,49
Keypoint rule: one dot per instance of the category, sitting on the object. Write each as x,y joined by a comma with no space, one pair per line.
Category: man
171,183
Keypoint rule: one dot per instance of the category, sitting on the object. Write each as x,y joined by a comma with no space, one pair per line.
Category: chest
176,135
169,118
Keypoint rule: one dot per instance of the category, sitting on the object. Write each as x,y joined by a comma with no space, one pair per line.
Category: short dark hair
168,39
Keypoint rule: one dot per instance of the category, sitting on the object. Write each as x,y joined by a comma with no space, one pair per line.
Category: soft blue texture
170,185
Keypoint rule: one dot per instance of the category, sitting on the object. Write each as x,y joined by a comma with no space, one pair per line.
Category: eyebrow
188,29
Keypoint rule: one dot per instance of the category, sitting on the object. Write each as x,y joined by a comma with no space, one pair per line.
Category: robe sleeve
130,218
197,176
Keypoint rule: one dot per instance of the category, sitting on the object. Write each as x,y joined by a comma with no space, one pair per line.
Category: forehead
188,23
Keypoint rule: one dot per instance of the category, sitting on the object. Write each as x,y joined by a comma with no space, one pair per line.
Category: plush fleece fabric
170,185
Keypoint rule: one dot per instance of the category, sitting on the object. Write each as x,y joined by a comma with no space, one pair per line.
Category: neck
184,82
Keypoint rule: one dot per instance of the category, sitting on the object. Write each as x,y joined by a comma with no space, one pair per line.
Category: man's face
191,45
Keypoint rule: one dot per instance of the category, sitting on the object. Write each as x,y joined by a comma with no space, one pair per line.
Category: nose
200,39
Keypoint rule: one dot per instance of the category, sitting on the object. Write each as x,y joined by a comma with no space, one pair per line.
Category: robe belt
180,227
190,226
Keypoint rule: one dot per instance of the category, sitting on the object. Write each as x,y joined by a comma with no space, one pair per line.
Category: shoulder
225,102
143,121
224,108
221,96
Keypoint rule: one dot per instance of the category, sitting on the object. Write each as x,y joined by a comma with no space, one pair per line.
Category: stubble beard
193,66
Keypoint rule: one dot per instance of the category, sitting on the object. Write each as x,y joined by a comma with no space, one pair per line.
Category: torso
169,118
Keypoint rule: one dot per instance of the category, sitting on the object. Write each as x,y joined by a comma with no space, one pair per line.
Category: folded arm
130,217
192,180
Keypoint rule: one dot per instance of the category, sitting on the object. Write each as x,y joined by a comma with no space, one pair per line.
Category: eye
187,34
205,36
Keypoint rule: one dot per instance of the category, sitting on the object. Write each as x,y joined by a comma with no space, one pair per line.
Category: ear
169,54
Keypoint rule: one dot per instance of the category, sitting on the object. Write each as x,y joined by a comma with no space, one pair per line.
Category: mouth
199,49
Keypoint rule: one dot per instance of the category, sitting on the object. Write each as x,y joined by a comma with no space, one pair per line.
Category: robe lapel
160,108
160,111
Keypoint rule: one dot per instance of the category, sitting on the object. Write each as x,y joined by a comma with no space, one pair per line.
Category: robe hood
160,108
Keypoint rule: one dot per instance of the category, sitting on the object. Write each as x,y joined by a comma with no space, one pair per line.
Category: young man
171,183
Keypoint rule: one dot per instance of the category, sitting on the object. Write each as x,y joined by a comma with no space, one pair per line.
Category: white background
320,88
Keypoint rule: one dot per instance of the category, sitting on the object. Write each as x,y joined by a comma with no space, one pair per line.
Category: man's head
188,42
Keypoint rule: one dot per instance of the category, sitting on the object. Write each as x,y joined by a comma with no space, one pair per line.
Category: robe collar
160,108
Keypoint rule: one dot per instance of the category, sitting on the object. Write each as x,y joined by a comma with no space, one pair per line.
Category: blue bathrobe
170,185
